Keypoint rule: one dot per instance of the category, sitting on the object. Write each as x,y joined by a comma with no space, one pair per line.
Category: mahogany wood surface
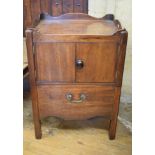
113,121
76,65
68,6
52,101
99,62
55,62
81,24
33,9
27,19
36,117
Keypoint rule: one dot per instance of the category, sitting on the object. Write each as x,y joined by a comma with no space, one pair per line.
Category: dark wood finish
36,118
56,7
113,121
45,6
52,101
85,6
99,62
68,6
76,64
27,22
121,57
33,8
55,62
78,6
81,25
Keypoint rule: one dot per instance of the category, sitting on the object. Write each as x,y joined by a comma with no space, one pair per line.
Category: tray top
77,24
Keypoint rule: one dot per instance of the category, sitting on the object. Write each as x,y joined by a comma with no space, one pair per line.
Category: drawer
73,102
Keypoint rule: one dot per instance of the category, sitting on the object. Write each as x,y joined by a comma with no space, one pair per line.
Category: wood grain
113,121
45,6
99,62
52,101
35,10
55,62
81,24
78,6
27,22
36,116
121,57
56,44
56,7
68,6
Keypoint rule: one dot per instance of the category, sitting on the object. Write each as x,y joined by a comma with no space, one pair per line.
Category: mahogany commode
76,66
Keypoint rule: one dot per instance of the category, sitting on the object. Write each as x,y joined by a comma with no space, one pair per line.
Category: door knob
79,64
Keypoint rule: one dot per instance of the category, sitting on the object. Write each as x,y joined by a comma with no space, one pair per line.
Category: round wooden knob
79,64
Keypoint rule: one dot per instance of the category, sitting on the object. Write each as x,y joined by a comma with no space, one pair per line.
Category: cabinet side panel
121,57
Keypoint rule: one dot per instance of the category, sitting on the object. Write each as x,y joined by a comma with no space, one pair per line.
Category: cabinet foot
38,135
38,132
112,129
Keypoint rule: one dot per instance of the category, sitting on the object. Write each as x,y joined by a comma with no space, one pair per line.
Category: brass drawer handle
69,98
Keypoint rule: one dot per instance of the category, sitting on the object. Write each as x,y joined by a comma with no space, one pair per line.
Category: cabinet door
96,62
55,62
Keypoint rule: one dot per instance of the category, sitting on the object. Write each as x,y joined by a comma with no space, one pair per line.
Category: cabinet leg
36,118
37,126
112,129
113,121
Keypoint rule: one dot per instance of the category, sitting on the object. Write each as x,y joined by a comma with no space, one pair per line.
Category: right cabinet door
96,62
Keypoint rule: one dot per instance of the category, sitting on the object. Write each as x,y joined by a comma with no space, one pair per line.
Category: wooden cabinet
76,66
33,8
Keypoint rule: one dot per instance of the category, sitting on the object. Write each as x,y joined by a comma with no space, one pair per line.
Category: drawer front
75,101
99,62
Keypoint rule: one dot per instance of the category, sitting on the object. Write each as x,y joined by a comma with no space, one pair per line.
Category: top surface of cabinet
77,24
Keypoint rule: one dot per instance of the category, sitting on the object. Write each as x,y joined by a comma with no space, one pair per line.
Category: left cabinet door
55,62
